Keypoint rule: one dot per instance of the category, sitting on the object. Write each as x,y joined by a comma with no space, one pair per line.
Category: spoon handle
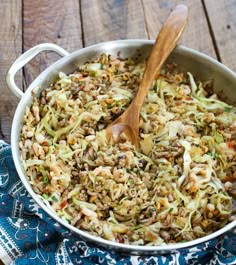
165,43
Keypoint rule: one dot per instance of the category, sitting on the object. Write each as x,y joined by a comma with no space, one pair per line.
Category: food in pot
176,187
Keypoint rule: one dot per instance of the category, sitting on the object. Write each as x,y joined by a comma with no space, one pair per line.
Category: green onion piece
155,88
228,109
45,174
54,198
131,181
45,196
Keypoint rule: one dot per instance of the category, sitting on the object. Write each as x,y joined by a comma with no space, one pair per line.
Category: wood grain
196,35
10,49
54,21
223,23
111,20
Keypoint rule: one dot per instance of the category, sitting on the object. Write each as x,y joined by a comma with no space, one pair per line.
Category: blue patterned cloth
29,236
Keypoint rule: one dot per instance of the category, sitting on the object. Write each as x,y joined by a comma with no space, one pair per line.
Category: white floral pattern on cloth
29,236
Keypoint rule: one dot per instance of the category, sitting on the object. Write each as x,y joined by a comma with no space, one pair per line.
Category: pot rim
83,234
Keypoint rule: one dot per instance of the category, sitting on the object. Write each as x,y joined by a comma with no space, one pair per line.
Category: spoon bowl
170,33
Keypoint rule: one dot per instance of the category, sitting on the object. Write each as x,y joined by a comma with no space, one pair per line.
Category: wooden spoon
128,122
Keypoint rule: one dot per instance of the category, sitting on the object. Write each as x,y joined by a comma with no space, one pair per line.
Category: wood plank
10,49
111,20
196,34
222,16
54,21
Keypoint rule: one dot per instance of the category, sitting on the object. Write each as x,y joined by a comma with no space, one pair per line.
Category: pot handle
24,59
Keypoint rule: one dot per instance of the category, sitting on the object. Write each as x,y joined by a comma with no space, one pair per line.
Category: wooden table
74,24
